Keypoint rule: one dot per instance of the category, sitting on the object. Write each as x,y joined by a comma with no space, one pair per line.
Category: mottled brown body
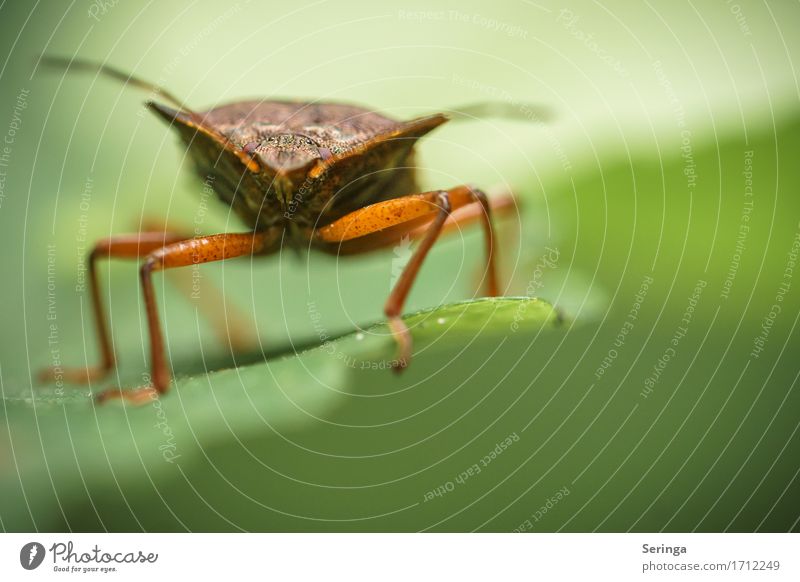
314,162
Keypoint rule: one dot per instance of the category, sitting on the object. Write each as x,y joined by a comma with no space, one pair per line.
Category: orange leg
232,327
131,246
204,249
500,206
384,223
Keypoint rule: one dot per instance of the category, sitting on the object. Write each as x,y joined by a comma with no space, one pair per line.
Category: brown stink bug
328,176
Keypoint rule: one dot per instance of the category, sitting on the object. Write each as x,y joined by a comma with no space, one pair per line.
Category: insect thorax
307,199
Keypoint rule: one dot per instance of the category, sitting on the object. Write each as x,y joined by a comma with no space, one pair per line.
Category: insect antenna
513,110
184,116
86,66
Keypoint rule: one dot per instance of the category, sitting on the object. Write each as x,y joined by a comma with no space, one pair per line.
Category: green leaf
88,452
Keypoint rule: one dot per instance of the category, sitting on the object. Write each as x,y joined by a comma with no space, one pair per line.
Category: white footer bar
402,557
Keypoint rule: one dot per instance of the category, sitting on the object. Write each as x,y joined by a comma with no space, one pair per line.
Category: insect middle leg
129,246
385,223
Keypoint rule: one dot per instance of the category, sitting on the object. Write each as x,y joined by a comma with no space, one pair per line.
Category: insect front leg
229,324
385,223
397,298
203,249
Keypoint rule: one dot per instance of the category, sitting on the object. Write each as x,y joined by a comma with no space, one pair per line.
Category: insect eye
250,147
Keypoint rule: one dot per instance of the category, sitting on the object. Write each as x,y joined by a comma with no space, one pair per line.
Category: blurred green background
659,213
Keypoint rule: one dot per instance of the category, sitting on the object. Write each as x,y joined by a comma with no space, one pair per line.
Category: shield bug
333,177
